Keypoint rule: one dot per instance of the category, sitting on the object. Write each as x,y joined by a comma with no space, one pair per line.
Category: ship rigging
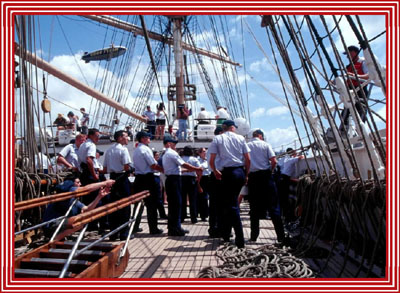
342,200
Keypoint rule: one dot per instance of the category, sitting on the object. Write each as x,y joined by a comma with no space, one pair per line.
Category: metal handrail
72,254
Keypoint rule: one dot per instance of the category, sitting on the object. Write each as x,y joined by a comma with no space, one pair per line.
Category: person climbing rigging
361,70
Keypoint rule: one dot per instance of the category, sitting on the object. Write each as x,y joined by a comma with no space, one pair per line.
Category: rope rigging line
349,215
310,77
151,57
144,93
274,67
316,132
265,262
284,89
119,77
369,147
288,66
229,98
204,75
70,49
230,52
349,150
382,149
245,70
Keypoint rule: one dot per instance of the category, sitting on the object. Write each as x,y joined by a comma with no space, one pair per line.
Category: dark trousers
151,126
87,178
263,196
189,188
202,198
148,182
284,185
215,206
84,129
173,187
360,107
233,179
160,197
120,190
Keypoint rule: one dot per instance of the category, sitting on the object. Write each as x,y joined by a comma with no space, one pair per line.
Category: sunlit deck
163,256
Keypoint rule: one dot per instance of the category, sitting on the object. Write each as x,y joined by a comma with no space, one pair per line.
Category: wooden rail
77,222
36,202
44,181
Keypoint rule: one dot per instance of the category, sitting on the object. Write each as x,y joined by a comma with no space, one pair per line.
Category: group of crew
72,121
211,182
155,121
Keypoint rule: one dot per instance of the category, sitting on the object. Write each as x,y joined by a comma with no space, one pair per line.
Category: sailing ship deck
163,256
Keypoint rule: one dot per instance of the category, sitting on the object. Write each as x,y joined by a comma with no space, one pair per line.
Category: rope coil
265,262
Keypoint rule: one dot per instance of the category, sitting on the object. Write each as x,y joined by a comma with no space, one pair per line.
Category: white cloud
277,111
261,66
257,65
258,113
281,137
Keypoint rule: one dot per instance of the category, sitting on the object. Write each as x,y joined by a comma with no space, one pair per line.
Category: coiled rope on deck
265,262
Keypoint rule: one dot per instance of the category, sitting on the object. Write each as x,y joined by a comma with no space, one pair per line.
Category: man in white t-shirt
222,115
203,114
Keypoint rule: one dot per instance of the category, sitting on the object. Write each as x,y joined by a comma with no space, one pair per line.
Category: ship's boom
32,58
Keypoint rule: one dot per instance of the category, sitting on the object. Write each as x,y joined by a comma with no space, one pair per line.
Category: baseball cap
258,132
142,134
168,139
229,123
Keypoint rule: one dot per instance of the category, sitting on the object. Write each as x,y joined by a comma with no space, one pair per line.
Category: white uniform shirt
216,161
142,159
205,166
70,153
97,164
230,147
222,114
192,161
87,149
150,115
172,162
261,152
116,157
289,167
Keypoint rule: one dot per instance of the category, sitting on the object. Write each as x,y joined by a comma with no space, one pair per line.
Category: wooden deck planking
163,256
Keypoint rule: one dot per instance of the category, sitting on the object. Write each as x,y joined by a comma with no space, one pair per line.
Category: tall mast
179,79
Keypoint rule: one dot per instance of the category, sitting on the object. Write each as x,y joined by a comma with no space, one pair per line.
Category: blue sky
61,40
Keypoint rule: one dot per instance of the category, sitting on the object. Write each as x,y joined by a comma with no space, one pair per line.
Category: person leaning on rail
58,209
68,156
